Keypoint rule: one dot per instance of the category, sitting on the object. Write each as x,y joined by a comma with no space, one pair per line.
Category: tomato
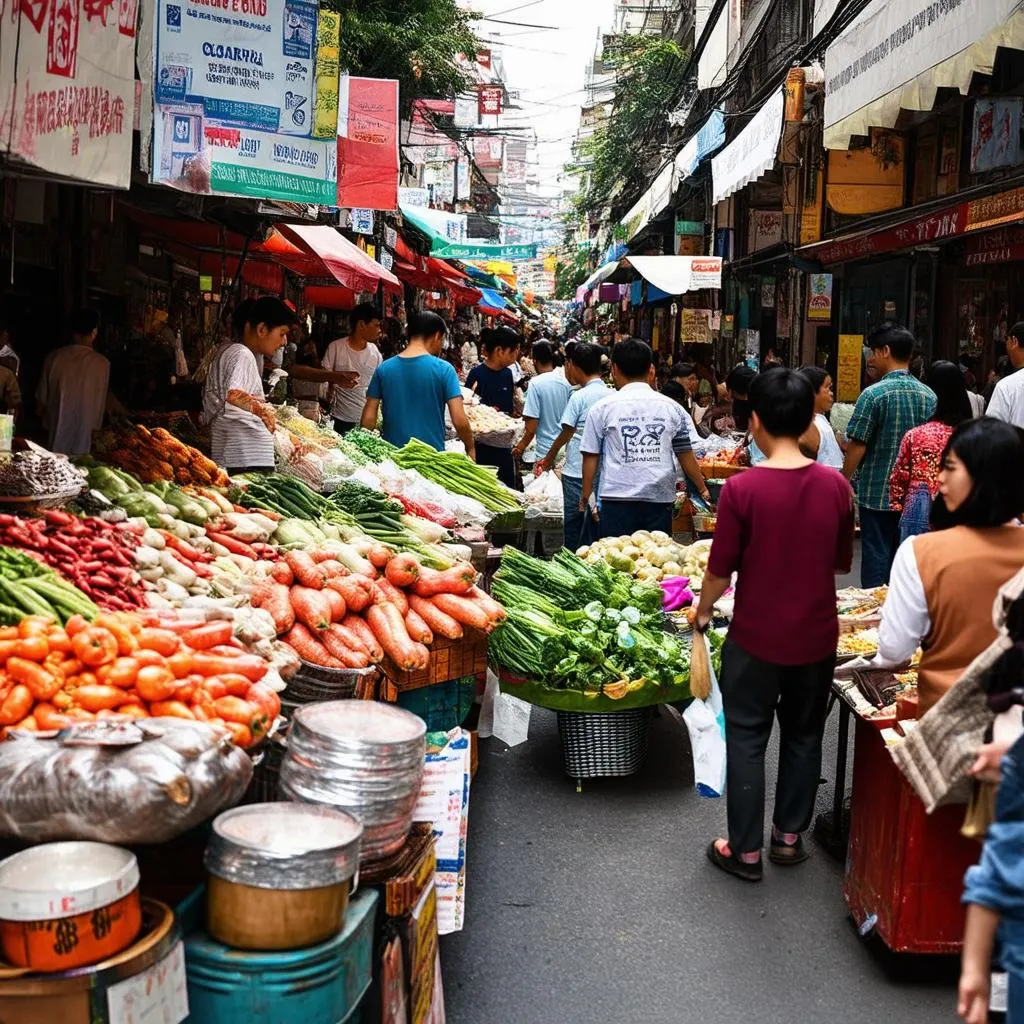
241,735
264,698
126,641
215,688
170,709
121,672
235,684
186,691
34,625
69,667
7,648
29,724
180,664
163,641
59,640
34,647
97,696
86,679
94,646
133,711
8,632
61,701
147,657
75,625
41,683
156,683
16,705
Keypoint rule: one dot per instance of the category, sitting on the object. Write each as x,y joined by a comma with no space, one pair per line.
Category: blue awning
492,299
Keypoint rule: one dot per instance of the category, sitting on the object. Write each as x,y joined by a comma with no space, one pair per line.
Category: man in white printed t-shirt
1007,402
637,435
357,356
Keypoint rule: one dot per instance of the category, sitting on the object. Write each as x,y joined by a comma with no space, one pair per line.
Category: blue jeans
619,518
917,510
879,537
1015,998
579,526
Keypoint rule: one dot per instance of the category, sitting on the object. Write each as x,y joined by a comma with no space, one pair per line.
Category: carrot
389,629
337,603
96,696
210,663
41,683
276,599
348,635
48,717
331,567
357,591
312,609
440,622
379,555
209,635
392,594
361,628
308,648
170,709
417,628
493,609
464,610
403,571
306,571
339,647
460,579
282,573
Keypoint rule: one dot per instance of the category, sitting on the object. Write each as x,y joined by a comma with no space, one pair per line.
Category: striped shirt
238,439
883,414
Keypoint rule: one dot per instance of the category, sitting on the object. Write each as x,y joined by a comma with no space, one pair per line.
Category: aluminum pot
363,757
280,875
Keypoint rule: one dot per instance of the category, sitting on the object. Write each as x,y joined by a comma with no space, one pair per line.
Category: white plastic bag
544,494
705,722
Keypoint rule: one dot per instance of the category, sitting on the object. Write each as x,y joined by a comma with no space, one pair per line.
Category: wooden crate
449,659
404,877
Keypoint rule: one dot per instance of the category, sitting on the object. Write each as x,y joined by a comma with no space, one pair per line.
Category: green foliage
571,272
416,41
649,86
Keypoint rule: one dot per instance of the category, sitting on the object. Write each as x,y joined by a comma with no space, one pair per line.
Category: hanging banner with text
471,250
848,362
236,99
368,143
67,87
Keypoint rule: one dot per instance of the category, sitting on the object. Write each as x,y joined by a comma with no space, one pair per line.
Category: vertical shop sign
326,72
483,58
488,100
848,367
819,299
368,143
362,221
67,87
689,237
767,292
463,185
235,89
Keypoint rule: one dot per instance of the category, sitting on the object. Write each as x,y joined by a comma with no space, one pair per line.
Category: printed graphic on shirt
641,442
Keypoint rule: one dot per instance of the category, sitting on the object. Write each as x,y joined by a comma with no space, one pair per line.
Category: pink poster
368,143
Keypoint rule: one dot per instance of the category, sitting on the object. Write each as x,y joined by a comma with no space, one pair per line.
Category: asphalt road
600,907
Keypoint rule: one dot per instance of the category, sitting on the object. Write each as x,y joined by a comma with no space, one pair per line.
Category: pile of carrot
131,665
337,618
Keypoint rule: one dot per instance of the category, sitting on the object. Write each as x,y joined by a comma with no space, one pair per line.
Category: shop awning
601,275
650,204
676,275
708,140
348,263
751,153
897,58
460,290
441,227
492,300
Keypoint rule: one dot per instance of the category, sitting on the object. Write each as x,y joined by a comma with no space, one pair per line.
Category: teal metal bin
320,985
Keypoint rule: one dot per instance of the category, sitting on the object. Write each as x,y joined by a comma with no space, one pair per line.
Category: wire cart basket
596,744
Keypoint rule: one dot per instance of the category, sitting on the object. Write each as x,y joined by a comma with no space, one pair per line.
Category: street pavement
600,907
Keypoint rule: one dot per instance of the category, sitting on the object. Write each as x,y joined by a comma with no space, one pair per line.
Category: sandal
786,854
732,865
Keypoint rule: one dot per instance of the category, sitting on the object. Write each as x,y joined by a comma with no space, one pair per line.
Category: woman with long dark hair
819,441
915,476
944,583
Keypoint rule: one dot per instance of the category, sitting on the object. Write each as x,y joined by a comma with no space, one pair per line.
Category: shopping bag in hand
705,722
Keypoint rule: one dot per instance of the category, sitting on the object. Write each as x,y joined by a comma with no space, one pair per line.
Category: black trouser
620,518
344,426
501,459
248,469
753,692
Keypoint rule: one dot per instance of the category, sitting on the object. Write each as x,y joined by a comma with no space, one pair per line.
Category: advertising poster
819,299
235,100
67,87
848,367
368,143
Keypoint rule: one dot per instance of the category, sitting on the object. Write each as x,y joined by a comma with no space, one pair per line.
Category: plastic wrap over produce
118,782
410,484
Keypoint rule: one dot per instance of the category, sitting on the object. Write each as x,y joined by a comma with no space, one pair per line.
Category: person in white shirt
546,400
72,392
636,436
356,356
242,423
819,442
1007,401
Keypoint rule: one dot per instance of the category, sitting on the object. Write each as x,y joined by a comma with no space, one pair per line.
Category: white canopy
895,57
752,152
676,275
601,275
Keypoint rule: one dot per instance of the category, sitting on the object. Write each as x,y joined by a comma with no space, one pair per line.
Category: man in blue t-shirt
545,402
414,387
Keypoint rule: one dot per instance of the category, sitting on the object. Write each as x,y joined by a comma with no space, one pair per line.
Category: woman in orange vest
944,583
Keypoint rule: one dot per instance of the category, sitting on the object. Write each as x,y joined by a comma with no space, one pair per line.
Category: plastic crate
323,984
442,706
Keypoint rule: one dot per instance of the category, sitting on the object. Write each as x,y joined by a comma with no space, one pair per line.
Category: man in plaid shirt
884,413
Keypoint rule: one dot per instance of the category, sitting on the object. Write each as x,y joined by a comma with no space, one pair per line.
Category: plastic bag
544,494
705,722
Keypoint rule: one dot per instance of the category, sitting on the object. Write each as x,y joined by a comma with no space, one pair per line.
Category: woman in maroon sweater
785,527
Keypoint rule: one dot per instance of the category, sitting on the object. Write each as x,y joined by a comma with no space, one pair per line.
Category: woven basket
603,744
263,787
313,683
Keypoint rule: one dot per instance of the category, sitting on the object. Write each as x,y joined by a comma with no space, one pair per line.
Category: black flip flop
785,855
732,865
